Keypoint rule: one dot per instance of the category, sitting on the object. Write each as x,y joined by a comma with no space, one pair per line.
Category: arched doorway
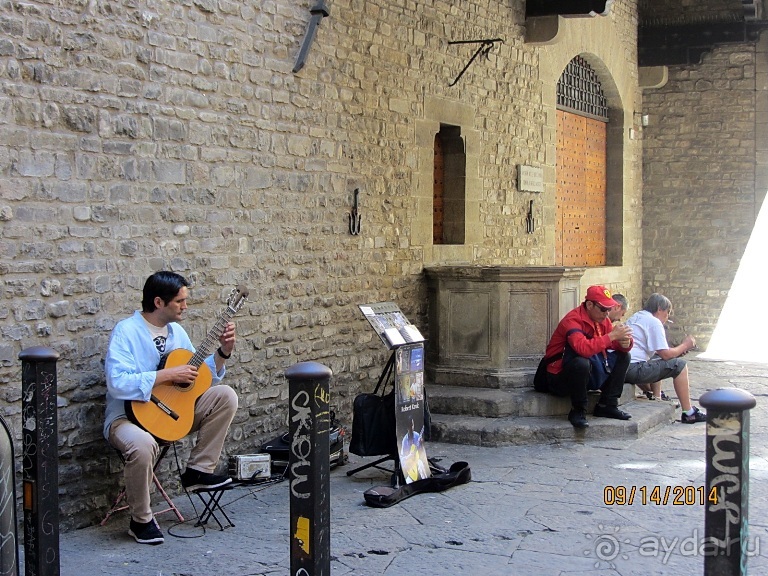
582,168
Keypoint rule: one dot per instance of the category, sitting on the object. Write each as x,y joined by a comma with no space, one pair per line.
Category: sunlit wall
740,330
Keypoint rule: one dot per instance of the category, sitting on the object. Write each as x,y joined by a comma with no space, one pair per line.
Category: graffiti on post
40,472
301,444
322,480
727,479
309,421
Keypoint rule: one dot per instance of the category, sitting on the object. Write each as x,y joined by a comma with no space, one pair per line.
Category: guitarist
411,452
136,347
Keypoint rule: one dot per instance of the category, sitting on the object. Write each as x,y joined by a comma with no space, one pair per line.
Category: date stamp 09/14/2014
659,495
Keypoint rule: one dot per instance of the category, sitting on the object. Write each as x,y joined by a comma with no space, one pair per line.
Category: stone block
489,325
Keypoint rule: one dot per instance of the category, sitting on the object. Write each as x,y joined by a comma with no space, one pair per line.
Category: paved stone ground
529,510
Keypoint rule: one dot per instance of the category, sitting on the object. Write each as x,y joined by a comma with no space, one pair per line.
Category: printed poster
409,407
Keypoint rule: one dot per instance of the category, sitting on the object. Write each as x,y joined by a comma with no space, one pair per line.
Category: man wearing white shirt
651,358
136,347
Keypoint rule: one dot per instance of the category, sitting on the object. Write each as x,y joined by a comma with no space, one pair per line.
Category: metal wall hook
485,48
529,222
354,216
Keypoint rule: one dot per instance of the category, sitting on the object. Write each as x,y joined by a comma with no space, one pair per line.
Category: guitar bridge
164,407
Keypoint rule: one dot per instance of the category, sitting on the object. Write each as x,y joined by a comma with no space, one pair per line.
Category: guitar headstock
237,298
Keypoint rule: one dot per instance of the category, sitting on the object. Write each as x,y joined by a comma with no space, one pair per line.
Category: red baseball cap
601,295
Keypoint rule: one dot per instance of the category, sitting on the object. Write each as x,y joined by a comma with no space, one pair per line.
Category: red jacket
585,336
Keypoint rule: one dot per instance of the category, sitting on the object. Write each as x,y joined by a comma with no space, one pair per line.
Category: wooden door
438,193
581,191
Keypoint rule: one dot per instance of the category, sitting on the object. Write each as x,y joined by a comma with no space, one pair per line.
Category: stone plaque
530,179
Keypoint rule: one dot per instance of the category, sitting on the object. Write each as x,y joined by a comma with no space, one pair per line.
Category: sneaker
611,412
650,395
578,417
195,480
147,533
697,416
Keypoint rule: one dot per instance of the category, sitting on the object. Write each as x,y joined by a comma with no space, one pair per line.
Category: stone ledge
517,430
495,403
511,378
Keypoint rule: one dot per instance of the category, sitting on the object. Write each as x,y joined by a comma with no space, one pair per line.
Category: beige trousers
214,412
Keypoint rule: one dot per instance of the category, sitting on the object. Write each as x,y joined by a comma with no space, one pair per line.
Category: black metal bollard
40,463
309,466
9,543
726,525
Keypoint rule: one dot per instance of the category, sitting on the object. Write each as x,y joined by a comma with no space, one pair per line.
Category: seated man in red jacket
577,358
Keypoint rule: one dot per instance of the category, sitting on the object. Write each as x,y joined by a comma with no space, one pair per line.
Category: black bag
540,378
599,372
427,435
600,367
373,425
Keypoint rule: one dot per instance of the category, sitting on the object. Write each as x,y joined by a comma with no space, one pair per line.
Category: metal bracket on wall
354,216
485,47
530,226
318,11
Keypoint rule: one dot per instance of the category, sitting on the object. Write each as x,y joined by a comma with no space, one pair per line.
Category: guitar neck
206,346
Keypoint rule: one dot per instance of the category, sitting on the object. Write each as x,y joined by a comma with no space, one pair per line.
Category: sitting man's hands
688,344
621,333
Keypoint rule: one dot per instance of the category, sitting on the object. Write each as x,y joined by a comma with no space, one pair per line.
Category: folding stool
119,505
212,508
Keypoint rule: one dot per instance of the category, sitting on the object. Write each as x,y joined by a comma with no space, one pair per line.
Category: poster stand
409,411
405,367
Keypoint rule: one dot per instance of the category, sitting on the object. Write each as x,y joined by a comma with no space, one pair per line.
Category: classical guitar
170,411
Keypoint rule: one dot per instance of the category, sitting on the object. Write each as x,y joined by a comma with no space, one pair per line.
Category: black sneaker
148,533
195,480
611,412
578,417
697,416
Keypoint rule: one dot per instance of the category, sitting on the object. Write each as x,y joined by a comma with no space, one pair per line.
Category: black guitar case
442,479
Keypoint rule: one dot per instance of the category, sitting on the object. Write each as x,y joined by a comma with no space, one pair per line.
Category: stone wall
136,136
704,177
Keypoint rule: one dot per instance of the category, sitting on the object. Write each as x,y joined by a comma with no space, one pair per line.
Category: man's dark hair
164,284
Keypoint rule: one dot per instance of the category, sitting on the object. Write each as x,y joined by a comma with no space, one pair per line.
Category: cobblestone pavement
529,510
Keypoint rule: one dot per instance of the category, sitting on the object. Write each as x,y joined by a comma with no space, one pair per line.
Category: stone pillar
489,325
